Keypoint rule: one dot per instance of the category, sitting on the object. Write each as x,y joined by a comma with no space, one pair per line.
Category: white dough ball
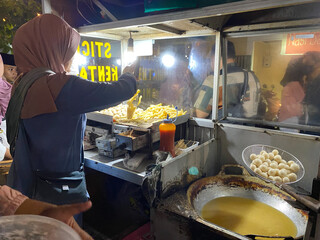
253,156
271,178
271,172
283,161
274,164
294,167
253,167
287,167
265,163
257,162
283,173
263,168
271,156
266,155
277,179
289,171
281,165
264,174
268,161
277,158
261,157
285,180
292,177
258,171
275,152
262,152
290,162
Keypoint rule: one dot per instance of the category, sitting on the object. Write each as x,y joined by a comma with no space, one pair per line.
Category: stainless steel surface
112,167
309,202
133,140
98,117
207,189
234,138
215,98
175,172
126,135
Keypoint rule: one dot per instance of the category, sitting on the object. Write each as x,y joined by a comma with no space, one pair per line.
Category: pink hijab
44,41
5,92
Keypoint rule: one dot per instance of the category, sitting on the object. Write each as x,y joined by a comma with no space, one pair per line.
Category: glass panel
98,59
174,74
287,68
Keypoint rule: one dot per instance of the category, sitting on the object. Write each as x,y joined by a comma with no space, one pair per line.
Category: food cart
267,35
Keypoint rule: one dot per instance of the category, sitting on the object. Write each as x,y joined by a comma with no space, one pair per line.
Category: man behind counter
242,90
10,70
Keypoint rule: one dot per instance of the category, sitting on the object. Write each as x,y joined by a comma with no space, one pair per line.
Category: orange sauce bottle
167,131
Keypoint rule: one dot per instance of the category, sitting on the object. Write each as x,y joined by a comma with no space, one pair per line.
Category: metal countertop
115,167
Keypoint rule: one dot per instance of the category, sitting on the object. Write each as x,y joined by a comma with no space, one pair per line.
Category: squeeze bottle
167,131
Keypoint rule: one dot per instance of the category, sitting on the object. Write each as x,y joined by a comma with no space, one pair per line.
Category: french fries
155,112
130,112
159,112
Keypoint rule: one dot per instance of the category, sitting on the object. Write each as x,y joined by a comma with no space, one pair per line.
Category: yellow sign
98,54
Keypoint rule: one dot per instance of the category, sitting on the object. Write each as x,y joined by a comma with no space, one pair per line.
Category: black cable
82,14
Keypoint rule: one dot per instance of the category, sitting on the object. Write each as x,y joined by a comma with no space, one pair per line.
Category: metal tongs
131,108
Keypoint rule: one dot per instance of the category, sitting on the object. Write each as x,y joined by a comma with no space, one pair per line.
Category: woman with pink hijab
5,94
46,115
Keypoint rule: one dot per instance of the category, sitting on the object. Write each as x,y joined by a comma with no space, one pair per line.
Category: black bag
60,188
16,103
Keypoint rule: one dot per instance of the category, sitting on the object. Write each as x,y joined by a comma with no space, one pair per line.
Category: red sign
299,43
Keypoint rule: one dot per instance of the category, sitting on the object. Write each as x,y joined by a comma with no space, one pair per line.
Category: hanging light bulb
130,43
130,56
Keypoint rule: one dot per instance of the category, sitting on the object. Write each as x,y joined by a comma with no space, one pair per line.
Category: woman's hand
129,69
65,214
62,213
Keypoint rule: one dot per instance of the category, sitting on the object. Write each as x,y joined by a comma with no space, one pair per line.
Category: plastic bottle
167,131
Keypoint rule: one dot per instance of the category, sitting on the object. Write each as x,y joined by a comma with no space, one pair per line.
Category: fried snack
160,112
131,108
153,113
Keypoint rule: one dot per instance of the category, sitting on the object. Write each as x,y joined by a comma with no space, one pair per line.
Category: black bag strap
16,103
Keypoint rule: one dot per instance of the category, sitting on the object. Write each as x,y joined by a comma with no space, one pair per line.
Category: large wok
204,190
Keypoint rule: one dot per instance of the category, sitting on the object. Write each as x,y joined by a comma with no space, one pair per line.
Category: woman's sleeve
10,200
82,96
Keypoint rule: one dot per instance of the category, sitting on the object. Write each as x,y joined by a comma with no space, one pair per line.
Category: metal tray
98,117
152,124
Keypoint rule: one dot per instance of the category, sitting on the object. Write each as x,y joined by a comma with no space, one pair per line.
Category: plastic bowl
257,148
35,227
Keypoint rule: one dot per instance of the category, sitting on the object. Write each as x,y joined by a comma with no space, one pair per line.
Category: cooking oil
247,216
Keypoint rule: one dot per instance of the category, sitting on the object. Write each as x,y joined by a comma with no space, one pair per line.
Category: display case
246,72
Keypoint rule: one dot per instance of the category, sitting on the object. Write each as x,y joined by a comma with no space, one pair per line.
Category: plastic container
35,227
190,145
167,131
